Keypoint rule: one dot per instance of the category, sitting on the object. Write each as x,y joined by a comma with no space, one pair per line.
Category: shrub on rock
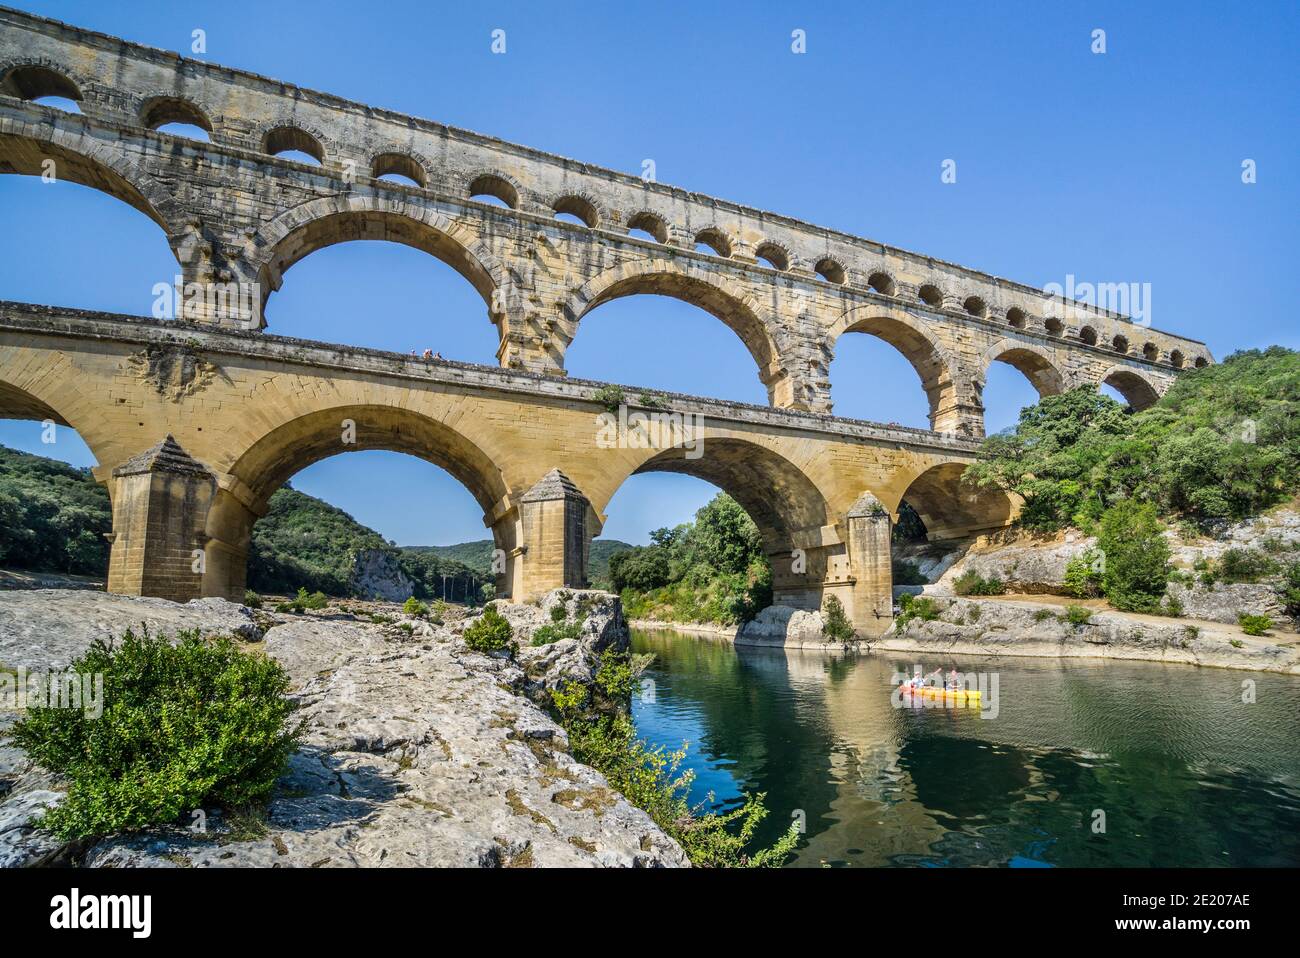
184,726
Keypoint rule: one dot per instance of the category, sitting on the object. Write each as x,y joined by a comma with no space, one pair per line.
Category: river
1081,763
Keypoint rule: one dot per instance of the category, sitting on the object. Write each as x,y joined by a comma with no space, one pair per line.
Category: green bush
414,607
490,632
1290,589
1254,624
184,726
1077,615
1083,576
252,599
1245,565
972,583
1137,556
915,607
835,624
548,634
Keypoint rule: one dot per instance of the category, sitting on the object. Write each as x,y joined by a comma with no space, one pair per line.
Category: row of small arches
179,116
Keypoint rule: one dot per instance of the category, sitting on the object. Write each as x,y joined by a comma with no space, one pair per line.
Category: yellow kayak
934,693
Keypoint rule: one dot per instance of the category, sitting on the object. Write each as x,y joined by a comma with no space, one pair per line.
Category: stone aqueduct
246,409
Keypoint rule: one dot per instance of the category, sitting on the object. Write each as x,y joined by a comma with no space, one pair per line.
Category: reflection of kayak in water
934,693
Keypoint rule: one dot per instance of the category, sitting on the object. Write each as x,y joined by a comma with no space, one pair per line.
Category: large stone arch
908,333
51,390
951,508
1034,362
323,222
246,482
80,158
1136,389
715,294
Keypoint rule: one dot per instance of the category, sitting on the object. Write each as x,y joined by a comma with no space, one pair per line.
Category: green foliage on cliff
602,735
183,727
53,517
711,570
1222,443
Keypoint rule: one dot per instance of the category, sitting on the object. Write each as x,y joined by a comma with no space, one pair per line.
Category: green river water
1170,759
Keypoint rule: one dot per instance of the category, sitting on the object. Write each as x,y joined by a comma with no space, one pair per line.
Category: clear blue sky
1123,166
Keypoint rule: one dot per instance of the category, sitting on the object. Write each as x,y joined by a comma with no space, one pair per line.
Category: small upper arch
773,254
975,306
715,240
490,185
931,295
580,206
287,137
1088,335
34,79
1017,318
879,281
652,224
395,163
160,110
831,270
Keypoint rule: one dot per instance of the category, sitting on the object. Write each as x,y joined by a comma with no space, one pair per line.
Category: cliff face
417,751
376,575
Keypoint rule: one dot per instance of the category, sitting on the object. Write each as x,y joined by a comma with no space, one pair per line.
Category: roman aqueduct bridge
245,409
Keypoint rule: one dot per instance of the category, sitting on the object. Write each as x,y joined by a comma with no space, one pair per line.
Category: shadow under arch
1136,390
1035,363
79,159
776,493
952,509
906,333
740,312
314,225
291,446
34,404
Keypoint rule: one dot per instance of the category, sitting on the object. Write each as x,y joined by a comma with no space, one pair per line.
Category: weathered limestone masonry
194,426
236,213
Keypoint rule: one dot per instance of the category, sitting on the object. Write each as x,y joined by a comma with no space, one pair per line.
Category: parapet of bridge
195,423
234,212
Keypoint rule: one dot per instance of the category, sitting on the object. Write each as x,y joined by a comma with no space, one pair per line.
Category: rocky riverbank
417,751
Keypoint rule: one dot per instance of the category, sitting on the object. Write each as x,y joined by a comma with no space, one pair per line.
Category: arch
337,219
1135,388
291,446
160,110
975,306
579,205
910,337
831,270
1200,362
34,79
1151,352
49,390
494,185
716,240
80,159
651,223
953,509
1176,358
881,282
1017,318
663,277
778,495
287,137
1054,326
775,255
1088,335
398,164
1034,362
930,294
1120,343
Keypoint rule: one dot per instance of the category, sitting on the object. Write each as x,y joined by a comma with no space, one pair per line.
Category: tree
1136,556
